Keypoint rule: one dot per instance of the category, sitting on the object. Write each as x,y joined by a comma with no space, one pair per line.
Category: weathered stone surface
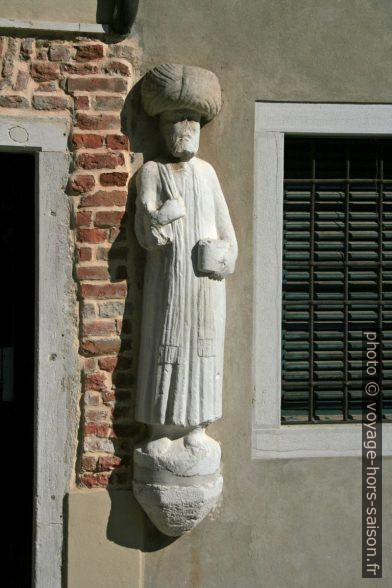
103,84
177,470
89,52
22,80
96,122
117,141
176,510
14,102
50,102
81,184
109,103
113,179
194,454
111,309
59,53
87,140
177,481
44,71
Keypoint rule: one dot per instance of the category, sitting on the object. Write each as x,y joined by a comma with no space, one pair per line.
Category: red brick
99,160
108,396
80,69
98,415
87,140
99,328
8,66
95,381
109,103
108,218
117,67
42,53
50,102
124,326
96,122
92,398
108,462
96,84
81,102
89,462
22,81
104,291
92,273
84,254
83,218
114,179
92,235
88,311
108,363
102,430
82,184
89,52
90,365
102,198
27,47
47,87
59,53
44,71
100,346
14,102
117,142
116,234
95,480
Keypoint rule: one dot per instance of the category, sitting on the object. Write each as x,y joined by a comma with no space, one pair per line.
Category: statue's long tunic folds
181,353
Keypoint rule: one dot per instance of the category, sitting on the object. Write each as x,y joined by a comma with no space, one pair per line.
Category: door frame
57,381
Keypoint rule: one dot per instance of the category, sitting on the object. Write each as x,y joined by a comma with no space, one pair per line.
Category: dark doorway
17,262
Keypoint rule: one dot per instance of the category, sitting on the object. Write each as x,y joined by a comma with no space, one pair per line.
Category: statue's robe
183,322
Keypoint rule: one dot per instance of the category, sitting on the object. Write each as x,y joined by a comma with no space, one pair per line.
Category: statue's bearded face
181,132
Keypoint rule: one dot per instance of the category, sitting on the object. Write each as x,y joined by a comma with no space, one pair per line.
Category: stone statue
183,222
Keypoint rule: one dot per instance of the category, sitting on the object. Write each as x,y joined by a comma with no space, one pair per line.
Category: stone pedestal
177,481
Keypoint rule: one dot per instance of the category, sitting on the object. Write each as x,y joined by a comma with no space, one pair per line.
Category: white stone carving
183,222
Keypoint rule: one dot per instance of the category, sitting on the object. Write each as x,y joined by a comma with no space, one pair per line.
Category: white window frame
57,380
271,439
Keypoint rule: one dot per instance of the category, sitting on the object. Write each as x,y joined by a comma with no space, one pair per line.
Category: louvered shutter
337,274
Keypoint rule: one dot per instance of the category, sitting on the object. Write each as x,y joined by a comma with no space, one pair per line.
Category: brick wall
87,80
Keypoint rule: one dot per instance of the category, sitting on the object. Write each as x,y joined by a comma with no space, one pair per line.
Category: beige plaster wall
289,523
100,551
52,10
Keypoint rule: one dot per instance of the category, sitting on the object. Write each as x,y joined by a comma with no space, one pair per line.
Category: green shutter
337,274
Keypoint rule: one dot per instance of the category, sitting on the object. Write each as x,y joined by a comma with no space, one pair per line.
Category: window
321,167
337,274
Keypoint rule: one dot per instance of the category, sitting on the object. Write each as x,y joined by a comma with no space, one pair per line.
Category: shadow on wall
128,526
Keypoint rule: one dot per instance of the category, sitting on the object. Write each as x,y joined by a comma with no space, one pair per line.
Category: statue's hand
170,211
227,269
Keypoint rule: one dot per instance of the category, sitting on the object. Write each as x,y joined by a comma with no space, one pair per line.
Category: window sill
305,441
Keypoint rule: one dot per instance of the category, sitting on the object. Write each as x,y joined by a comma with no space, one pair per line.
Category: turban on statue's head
171,86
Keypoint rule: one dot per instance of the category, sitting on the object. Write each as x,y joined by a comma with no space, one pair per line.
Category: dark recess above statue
119,15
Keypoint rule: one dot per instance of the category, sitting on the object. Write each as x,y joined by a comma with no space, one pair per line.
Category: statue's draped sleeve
148,232
223,221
